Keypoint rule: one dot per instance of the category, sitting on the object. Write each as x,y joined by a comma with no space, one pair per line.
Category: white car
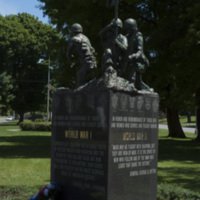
9,118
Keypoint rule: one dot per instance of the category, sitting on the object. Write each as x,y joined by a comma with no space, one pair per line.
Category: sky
8,7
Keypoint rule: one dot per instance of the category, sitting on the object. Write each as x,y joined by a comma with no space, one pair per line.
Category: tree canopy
172,42
24,43
6,95
174,38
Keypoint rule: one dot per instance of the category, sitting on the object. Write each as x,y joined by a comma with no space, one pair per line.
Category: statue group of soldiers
119,52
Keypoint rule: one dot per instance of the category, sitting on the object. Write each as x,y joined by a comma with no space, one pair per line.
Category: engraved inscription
134,122
81,121
138,156
79,160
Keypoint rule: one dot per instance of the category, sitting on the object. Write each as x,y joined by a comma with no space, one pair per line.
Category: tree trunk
198,113
174,126
21,118
198,123
189,117
33,116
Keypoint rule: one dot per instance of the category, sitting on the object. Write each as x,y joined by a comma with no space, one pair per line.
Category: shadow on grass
183,177
179,150
189,122
189,126
182,159
9,124
25,147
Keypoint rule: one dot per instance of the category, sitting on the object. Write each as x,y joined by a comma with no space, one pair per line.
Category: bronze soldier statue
79,44
114,44
135,55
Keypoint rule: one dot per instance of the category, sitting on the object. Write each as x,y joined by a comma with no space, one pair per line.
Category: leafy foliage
172,41
6,95
34,127
24,42
172,38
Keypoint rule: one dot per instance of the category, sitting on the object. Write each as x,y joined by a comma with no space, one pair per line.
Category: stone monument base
104,144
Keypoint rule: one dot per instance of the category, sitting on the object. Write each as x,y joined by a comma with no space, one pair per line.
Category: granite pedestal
104,145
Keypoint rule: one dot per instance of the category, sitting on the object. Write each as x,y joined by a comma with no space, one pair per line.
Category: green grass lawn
179,161
183,121
24,158
25,161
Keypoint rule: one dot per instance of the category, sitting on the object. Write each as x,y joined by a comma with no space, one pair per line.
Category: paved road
2,120
185,129
161,126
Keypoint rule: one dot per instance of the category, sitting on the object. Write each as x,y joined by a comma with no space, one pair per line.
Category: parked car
36,116
9,118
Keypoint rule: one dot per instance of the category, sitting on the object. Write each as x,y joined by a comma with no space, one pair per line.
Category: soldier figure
79,44
113,44
135,55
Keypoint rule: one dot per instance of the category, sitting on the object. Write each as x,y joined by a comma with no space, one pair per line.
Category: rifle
123,68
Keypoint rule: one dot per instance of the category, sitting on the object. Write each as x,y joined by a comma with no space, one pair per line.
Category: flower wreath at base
48,192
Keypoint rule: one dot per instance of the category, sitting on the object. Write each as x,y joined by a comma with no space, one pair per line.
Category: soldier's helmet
130,24
76,28
118,22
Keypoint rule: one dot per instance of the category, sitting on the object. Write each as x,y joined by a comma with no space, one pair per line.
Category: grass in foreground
179,161
25,161
24,158
17,192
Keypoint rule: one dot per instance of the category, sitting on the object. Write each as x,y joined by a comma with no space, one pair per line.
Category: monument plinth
104,144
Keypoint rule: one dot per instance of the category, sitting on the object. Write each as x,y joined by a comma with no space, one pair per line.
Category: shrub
39,120
174,192
34,127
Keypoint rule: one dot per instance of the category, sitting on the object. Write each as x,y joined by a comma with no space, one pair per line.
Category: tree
6,95
172,38
63,14
198,114
175,43
24,42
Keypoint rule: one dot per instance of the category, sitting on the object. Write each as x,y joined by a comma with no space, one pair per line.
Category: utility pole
48,92
114,3
197,118
116,15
